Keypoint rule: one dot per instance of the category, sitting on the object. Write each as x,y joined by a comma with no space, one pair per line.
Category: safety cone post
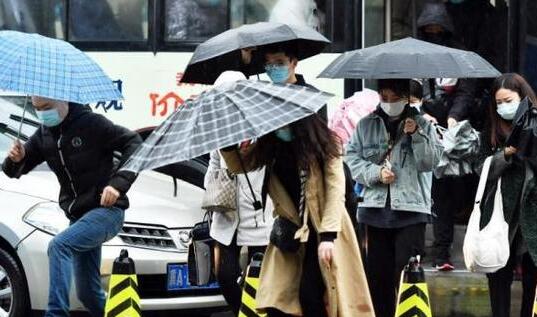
413,299
123,299
251,284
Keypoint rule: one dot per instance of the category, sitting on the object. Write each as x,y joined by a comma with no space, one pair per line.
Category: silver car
163,209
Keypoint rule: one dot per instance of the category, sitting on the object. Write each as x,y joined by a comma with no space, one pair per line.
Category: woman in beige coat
325,277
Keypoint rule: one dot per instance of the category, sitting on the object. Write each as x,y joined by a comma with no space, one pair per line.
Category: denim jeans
78,250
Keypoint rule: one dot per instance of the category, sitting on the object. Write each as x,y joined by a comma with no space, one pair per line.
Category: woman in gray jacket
393,152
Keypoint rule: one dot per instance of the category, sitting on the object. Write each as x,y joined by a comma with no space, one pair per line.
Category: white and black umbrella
223,116
409,58
221,52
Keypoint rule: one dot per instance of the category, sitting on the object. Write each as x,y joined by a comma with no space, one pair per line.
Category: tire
16,302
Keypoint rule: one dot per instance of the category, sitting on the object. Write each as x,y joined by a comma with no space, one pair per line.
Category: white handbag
487,250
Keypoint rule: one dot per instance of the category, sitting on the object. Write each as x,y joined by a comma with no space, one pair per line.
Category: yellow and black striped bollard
251,284
413,299
123,299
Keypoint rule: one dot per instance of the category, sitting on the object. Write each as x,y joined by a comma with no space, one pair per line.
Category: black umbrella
409,58
524,134
222,52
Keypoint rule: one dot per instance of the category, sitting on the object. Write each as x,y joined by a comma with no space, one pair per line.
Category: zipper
67,172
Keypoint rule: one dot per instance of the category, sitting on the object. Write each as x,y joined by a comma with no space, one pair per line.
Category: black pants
388,251
500,287
229,271
451,195
312,288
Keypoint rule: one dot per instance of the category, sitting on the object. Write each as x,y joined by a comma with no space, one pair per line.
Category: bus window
33,16
108,20
195,20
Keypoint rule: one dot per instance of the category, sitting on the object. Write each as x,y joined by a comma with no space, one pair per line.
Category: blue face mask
507,110
278,74
284,134
49,118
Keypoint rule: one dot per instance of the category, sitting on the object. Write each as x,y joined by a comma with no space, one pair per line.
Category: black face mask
435,38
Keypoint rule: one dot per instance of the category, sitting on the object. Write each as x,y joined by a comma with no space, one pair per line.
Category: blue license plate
178,279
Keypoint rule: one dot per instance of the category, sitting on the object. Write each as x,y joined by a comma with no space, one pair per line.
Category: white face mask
393,109
507,110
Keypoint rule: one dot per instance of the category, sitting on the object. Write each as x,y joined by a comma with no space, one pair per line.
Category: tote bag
487,250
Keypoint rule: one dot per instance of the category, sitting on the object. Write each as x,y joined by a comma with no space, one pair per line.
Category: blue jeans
78,249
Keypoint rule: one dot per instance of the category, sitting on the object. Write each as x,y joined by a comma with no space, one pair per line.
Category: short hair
288,48
416,89
400,87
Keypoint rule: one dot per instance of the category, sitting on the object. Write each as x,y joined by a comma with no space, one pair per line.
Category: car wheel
13,291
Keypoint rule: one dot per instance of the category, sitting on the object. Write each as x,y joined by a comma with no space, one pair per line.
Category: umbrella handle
22,119
257,204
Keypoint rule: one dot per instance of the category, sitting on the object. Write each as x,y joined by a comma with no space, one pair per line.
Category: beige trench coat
345,280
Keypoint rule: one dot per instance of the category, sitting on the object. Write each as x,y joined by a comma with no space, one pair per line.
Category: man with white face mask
396,173
78,146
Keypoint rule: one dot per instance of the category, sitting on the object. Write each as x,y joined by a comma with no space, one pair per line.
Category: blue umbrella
40,66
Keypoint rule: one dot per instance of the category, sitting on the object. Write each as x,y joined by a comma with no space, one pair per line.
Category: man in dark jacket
448,101
281,61
79,147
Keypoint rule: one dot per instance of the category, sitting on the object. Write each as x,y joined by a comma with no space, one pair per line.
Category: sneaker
444,266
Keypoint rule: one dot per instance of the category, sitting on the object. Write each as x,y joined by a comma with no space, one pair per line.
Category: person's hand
386,176
109,196
430,118
246,55
326,252
410,126
510,151
451,122
17,152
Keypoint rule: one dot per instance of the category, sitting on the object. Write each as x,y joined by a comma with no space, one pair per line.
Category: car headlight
47,217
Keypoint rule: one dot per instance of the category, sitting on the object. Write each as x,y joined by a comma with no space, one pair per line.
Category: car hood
151,197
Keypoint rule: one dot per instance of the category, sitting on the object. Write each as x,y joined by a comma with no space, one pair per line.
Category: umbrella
223,116
351,110
524,134
40,66
409,58
460,143
220,53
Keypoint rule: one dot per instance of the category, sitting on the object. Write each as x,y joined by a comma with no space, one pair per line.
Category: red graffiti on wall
163,103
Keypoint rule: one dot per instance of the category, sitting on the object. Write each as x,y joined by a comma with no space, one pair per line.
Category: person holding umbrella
397,176
78,146
313,256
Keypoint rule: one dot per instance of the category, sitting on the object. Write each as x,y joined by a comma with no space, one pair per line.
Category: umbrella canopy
225,115
409,58
220,53
40,66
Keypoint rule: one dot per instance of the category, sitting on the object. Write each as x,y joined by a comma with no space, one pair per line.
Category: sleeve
233,160
32,158
334,180
426,148
214,164
499,162
125,142
464,99
365,172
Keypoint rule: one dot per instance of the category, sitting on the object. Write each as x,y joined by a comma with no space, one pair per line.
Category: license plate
178,279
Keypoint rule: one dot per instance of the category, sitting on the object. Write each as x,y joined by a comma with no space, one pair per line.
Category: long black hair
312,142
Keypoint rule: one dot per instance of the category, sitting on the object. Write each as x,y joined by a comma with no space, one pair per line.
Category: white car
156,235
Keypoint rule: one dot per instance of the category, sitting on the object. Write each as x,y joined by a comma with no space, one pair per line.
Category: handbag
487,250
283,230
201,260
220,192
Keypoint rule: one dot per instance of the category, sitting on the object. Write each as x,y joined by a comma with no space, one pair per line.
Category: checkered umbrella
40,66
225,115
